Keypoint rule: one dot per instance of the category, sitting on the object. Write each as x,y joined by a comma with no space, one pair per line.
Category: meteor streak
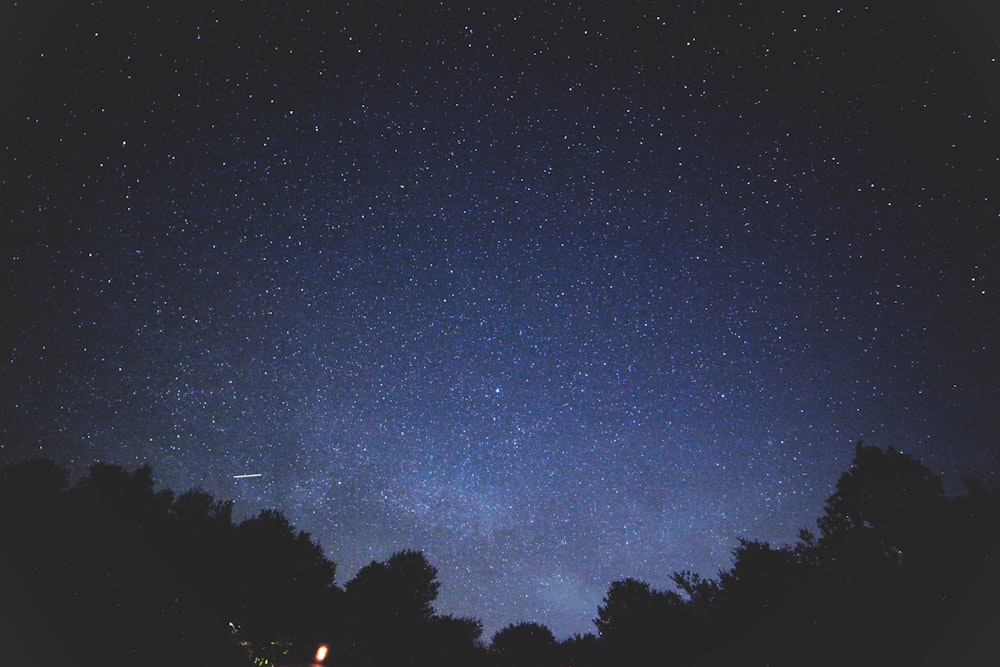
254,474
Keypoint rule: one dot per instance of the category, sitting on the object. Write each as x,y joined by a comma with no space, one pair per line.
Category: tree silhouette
97,560
115,552
32,484
580,651
635,620
894,561
114,571
33,581
199,510
879,541
887,507
282,583
524,644
966,584
201,551
628,604
130,575
392,598
403,587
449,641
761,600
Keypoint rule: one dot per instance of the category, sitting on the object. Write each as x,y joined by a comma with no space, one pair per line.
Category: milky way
558,295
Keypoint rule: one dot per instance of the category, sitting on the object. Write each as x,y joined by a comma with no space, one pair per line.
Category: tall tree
284,582
881,535
887,506
392,598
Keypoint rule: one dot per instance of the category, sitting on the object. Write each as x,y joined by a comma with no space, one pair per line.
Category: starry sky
557,292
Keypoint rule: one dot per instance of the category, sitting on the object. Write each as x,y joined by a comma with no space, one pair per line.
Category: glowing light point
321,653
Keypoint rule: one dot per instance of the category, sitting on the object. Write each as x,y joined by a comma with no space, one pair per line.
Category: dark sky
558,293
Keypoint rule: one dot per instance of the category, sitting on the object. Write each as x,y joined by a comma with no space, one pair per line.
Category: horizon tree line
111,571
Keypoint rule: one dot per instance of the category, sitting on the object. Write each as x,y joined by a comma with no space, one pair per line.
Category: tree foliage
399,590
524,644
395,598
112,570
887,507
894,562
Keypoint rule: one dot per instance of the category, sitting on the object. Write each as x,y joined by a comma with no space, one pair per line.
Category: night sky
557,293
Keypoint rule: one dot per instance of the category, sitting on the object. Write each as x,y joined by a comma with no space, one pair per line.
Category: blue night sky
557,293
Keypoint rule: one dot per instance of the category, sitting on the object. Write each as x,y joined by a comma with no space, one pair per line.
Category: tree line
111,571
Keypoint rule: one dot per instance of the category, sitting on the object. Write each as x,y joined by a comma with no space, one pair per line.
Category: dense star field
556,293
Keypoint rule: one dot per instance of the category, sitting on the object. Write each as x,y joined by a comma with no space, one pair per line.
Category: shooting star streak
255,474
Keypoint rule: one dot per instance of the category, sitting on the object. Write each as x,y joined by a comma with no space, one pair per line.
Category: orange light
321,653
